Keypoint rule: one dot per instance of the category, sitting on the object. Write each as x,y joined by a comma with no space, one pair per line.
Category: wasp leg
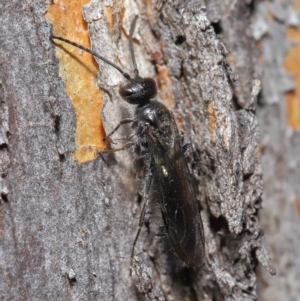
186,146
122,122
141,220
112,150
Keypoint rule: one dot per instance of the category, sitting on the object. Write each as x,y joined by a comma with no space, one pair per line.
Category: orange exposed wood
297,206
78,71
109,16
270,16
292,64
212,121
296,4
165,85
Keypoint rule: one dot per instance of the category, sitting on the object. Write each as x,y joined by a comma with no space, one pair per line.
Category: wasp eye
126,92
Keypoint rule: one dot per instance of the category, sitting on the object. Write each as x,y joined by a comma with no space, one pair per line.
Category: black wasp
168,180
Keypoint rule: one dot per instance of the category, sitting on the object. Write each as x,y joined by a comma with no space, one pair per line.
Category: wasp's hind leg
141,220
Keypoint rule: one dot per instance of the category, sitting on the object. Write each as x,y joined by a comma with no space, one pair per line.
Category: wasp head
139,90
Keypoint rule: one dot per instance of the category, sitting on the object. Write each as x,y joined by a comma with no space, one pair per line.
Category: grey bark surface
67,228
281,151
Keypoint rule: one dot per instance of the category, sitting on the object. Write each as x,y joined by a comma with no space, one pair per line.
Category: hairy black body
171,183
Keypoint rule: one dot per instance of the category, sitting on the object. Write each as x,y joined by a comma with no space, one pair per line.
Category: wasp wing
173,186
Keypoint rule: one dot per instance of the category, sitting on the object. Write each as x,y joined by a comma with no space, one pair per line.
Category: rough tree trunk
68,216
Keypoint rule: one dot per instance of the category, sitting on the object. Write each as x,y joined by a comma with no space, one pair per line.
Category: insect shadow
168,182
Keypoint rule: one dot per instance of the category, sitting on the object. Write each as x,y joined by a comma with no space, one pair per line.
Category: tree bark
69,216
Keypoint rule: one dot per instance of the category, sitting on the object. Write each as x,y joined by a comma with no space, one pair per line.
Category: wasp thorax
139,90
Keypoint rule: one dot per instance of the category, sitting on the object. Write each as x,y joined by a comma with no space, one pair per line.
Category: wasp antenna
126,75
136,71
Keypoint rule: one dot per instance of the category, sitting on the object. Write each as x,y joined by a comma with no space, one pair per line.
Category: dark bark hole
260,99
4,197
3,146
254,259
57,124
246,177
62,157
8,134
180,40
257,203
251,6
72,281
139,198
218,223
181,71
235,103
217,27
